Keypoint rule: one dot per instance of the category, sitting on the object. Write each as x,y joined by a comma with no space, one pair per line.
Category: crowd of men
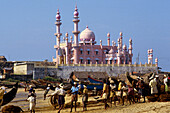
111,92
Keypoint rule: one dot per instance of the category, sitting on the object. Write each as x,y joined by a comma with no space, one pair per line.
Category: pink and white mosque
86,51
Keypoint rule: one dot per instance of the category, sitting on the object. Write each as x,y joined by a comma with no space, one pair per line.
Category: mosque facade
84,50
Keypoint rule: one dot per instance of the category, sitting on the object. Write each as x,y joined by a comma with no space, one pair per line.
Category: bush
50,79
12,80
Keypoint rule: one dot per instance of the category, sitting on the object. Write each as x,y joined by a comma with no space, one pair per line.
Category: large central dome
87,35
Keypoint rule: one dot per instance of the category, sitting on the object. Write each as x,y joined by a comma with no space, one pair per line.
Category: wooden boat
8,97
92,80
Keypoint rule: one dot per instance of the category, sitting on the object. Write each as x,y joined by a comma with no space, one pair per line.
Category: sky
27,26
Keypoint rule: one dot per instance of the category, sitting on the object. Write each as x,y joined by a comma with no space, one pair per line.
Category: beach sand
44,106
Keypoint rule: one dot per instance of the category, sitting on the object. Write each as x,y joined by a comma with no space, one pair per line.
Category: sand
44,106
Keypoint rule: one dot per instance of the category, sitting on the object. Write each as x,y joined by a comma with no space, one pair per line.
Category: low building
24,68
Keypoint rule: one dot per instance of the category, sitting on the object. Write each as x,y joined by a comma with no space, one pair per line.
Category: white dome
87,35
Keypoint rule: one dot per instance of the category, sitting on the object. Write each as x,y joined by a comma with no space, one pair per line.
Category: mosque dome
87,35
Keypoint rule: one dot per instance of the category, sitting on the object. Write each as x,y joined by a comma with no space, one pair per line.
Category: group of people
60,92
155,84
111,92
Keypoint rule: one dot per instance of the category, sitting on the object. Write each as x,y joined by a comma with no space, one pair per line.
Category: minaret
156,62
124,53
130,51
58,35
76,32
66,49
121,40
118,55
76,20
58,24
150,56
108,39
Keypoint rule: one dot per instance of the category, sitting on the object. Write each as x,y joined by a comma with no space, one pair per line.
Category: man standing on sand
31,100
85,98
46,91
105,93
153,85
112,92
61,94
74,92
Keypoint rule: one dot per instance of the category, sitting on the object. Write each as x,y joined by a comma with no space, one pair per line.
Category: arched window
88,51
88,60
97,51
81,51
97,60
81,60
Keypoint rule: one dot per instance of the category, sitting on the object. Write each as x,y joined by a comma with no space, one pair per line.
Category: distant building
86,51
24,68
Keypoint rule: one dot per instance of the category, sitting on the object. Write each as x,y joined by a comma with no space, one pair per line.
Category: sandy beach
44,106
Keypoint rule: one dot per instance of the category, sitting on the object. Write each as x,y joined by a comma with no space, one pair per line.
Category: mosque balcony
75,32
56,46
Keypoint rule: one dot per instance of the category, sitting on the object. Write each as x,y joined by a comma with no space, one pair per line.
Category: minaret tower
58,24
76,32
58,35
156,62
121,40
108,39
130,51
150,56
118,55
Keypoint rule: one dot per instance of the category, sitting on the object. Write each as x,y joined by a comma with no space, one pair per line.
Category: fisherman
61,94
74,92
112,92
80,88
31,89
158,84
46,91
120,85
119,90
35,95
26,86
95,91
31,100
153,85
85,98
123,92
55,94
138,87
142,89
105,94
131,94
166,83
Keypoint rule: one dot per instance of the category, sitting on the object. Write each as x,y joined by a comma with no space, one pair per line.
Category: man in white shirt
31,100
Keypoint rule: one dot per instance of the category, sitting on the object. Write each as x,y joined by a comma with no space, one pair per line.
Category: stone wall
65,71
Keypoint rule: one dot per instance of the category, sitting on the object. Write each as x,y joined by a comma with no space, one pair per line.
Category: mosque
86,51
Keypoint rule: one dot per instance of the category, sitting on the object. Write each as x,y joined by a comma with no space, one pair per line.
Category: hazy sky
27,26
